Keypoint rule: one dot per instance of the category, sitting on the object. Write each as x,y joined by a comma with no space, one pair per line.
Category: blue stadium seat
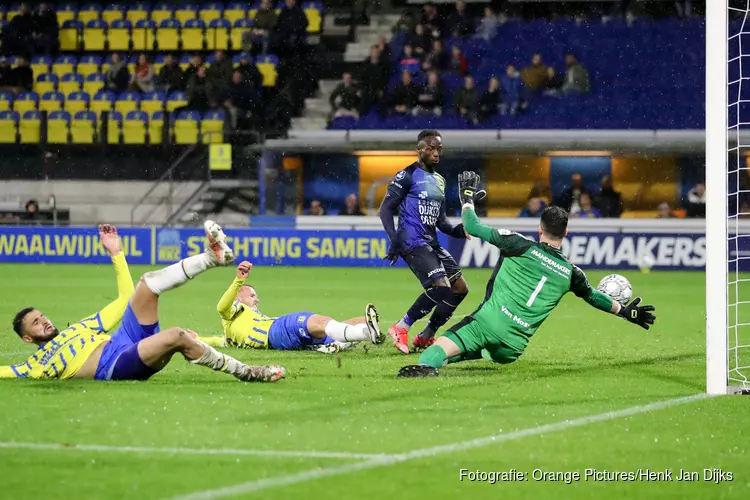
6,100
217,34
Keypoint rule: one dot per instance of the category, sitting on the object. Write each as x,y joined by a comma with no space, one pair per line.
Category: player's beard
50,335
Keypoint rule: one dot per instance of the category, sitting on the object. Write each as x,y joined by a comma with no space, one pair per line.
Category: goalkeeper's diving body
246,327
528,282
138,349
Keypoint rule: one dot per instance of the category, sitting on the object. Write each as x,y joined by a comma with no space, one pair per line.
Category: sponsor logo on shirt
515,318
400,175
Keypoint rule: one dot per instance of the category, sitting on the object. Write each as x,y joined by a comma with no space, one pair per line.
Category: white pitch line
275,482
191,451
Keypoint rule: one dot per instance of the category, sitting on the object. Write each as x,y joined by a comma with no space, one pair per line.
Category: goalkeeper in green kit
528,282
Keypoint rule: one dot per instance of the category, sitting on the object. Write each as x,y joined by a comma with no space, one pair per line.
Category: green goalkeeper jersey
528,282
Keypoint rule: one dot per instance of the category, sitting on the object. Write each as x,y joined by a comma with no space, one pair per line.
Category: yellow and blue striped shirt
244,327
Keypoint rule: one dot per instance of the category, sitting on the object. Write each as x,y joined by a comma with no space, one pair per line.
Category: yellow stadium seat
153,102
114,128
156,128
119,35
93,84
52,101
70,83
111,15
77,101
25,101
95,36
186,128
104,101
267,67
192,35
63,65
251,13
88,65
6,101
58,127
83,128
209,14
237,33
46,82
143,36
127,102
176,100
168,36
40,65
184,15
65,15
212,128
217,35
160,15
85,16
8,127
30,128
69,34
135,14
235,12
314,20
134,128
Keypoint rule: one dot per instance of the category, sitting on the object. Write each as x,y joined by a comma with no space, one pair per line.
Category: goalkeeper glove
468,188
638,314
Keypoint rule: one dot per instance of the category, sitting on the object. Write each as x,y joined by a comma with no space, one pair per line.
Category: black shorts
430,263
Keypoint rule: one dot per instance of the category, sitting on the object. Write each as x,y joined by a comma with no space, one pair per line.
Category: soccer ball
616,286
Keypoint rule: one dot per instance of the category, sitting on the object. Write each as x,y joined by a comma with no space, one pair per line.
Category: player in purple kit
417,194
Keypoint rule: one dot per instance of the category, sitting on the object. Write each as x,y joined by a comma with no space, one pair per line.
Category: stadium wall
671,245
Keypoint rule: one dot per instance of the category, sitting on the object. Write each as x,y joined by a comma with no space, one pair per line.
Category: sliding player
247,328
417,193
138,349
529,280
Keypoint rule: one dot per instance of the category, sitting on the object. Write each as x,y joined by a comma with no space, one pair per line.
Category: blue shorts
290,333
120,360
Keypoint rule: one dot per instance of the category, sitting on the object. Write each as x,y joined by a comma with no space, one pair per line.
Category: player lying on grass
138,349
417,193
528,282
246,327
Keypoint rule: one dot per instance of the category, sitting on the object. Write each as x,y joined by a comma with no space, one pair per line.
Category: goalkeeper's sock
219,361
443,312
433,356
175,275
344,332
424,304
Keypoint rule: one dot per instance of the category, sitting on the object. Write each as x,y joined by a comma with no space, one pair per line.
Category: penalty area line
190,451
319,473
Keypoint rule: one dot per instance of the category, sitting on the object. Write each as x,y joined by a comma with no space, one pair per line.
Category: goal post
718,149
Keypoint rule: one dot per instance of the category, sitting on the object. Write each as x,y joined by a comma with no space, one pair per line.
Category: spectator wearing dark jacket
576,76
386,53
22,76
465,99
404,95
201,94
489,103
345,98
117,77
250,72
608,201
435,59
696,201
195,62
458,62
431,97
351,206
374,80
264,23
420,41
512,86
552,83
570,198
459,23
169,78
5,72
17,35
242,99
291,29
46,34
220,72
432,21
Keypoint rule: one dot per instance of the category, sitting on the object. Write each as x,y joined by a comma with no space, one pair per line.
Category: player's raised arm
468,183
112,313
397,191
227,307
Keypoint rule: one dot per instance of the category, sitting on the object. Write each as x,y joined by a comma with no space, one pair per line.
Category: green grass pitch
581,363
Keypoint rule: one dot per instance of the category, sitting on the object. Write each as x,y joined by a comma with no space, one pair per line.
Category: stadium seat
127,102
184,62
89,12
30,127
94,83
132,61
176,100
111,13
104,100
143,35
8,127
40,64
192,34
69,35
186,127
212,127
156,128
267,66
12,11
70,82
83,127
210,11
134,128
46,82
58,127
152,102
161,12
118,35
239,30
235,11
88,64
114,127
168,35
217,35
64,64
186,11
77,101
26,101
252,11
95,35
52,101
66,12
314,14
6,101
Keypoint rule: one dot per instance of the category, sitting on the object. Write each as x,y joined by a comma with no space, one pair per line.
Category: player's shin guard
425,303
170,277
433,356
443,312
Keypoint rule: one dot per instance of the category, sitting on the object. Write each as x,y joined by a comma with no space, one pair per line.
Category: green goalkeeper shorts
476,340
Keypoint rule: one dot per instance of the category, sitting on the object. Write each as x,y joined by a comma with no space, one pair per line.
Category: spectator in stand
201,94
570,198
696,206
420,41
541,189
170,75
250,72
345,99
374,80
432,21
587,210
459,23
5,73
512,86
316,208
465,99
264,23
117,76
386,54
31,211
143,77
409,62
242,99
576,76
552,83
534,75
431,98
533,208
220,72
22,76
17,35
46,34
489,103
488,26
291,29
405,25
404,95
458,62
435,60
196,62
665,212
351,206
608,201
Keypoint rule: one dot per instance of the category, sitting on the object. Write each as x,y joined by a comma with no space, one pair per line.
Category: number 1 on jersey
536,291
